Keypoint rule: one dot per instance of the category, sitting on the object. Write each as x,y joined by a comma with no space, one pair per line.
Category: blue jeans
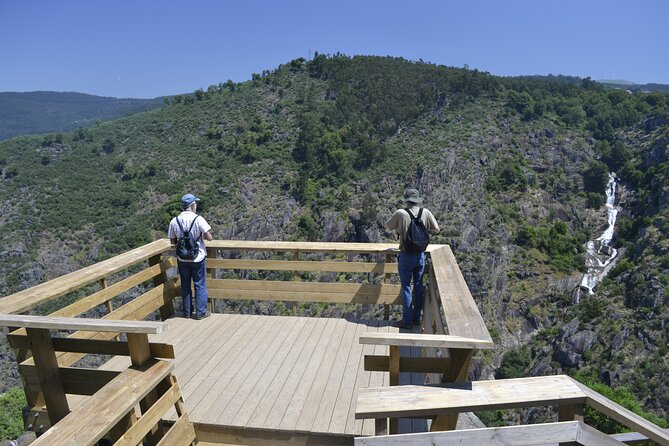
197,273
411,266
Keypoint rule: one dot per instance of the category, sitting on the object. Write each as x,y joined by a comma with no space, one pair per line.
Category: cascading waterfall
600,254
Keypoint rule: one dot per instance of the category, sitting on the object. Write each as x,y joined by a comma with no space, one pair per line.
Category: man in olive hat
411,264
192,269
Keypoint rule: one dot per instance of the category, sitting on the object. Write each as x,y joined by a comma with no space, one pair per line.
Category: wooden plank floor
293,374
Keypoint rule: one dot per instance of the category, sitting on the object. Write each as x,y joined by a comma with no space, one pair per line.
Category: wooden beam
428,401
48,374
150,418
167,309
528,435
306,265
138,345
30,298
304,291
424,340
81,324
381,363
94,346
88,423
75,380
623,416
462,315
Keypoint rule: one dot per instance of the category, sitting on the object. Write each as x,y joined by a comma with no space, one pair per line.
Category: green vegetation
515,363
12,403
620,395
49,111
514,169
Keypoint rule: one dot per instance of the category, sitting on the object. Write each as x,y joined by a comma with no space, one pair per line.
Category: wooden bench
456,352
429,401
530,435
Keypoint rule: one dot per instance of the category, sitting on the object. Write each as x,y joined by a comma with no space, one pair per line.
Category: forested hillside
49,111
514,170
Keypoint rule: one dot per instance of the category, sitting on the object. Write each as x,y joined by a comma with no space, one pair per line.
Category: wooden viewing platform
268,379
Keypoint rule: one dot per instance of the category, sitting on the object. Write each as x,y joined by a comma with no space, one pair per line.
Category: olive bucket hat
412,196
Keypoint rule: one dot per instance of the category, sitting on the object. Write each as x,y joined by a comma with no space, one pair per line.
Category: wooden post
386,307
458,371
570,412
104,284
211,253
140,353
296,278
394,368
381,426
48,373
167,309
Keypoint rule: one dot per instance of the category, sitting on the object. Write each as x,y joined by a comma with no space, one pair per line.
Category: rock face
573,343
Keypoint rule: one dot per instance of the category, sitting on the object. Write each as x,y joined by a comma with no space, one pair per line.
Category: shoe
204,316
402,324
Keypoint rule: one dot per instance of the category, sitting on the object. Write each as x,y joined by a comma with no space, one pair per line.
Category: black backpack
187,247
417,237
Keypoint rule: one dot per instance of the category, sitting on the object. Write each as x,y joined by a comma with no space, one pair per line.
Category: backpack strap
179,224
420,212
189,229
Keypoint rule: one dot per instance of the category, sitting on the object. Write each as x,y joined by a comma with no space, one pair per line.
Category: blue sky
152,48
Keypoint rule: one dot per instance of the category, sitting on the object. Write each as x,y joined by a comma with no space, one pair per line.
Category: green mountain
514,170
51,112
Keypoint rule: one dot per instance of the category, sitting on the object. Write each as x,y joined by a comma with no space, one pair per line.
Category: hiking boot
204,316
402,324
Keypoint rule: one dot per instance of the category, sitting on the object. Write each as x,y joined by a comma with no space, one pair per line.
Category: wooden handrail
333,247
461,313
566,432
424,340
82,324
30,298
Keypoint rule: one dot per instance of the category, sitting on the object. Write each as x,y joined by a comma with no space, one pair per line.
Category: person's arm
392,222
207,236
171,234
433,226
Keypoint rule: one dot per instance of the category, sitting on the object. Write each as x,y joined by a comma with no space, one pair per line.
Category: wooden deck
275,373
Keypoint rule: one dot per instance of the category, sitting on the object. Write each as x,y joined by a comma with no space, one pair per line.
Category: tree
596,177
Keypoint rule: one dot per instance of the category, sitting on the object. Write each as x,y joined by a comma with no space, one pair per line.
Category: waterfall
599,252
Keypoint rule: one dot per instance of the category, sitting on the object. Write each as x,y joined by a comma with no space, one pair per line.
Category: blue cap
187,199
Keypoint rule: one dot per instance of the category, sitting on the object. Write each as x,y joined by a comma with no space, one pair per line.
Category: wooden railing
110,412
147,274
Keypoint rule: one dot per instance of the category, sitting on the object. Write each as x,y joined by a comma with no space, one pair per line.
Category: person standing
411,265
193,269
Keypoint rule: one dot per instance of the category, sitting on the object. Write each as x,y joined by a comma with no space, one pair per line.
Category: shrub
514,363
11,409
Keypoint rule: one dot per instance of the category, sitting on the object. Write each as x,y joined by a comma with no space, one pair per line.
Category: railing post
48,374
296,278
458,371
386,307
570,412
140,354
211,253
167,309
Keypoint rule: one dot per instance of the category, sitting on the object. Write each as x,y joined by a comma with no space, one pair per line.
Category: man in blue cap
192,269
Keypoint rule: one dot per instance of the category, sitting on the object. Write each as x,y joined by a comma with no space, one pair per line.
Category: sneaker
402,324
204,316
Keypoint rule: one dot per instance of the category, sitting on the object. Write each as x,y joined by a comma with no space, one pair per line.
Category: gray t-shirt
400,221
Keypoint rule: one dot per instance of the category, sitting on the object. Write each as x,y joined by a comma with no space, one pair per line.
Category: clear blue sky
149,48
